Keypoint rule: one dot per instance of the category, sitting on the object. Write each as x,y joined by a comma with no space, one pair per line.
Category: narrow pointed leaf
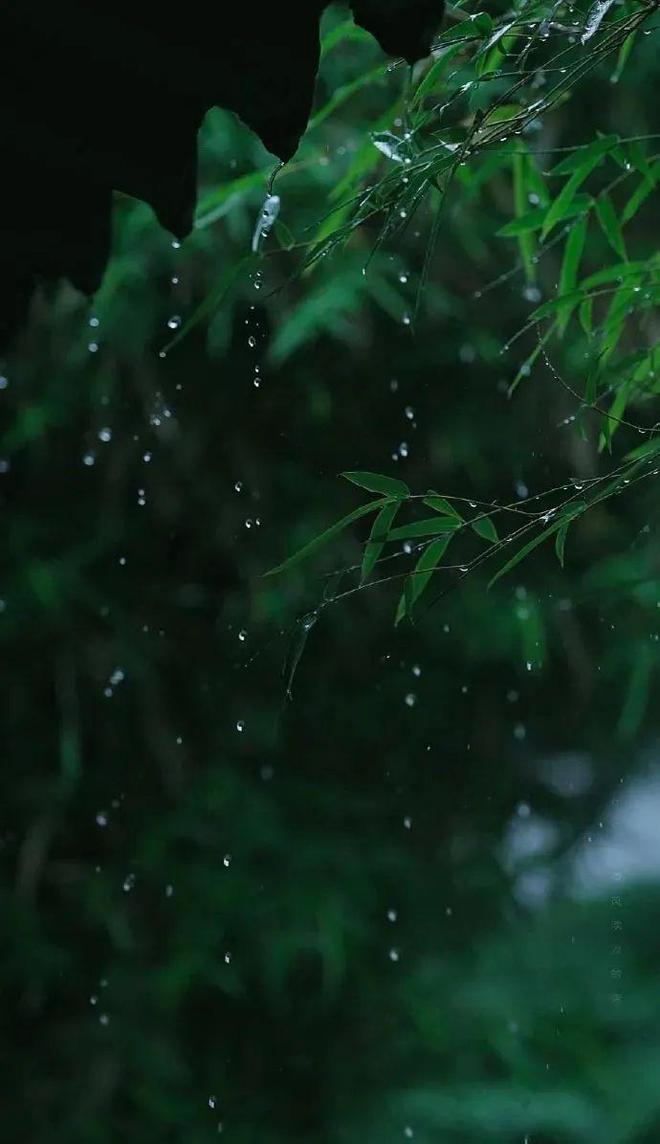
485,528
432,526
441,505
377,538
377,483
609,222
310,549
418,579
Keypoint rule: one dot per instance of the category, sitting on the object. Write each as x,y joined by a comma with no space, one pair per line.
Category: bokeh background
418,900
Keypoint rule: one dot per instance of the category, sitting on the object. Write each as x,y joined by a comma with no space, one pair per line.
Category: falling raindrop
240,725
268,215
105,434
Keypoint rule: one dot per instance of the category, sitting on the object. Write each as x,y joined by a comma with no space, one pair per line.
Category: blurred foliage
355,911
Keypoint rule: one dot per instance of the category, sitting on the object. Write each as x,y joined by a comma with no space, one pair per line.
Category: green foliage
271,863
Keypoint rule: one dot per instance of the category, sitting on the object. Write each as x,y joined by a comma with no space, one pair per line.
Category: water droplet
169,890
128,883
242,635
240,725
393,954
226,861
94,999
93,347
102,818
410,699
174,322
227,958
252,341
89,459
392,915
238,486
105,434
416,670
104,1019
407,822
213,1101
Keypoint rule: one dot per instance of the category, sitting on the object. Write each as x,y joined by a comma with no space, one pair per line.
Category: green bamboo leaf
525,550
609,222
641,192
430,80
439,504
569,271
212,302
560,542
534,220
429,527
585,156
613,274
377,483
591,386
587,159
418,579
485,528
377,538
555,305
310,549
585,314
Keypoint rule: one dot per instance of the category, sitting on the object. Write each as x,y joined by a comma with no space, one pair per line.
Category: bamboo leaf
418,579
586,159
318,542
485,528
429,527
569,271
609,222
377,537
377,483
